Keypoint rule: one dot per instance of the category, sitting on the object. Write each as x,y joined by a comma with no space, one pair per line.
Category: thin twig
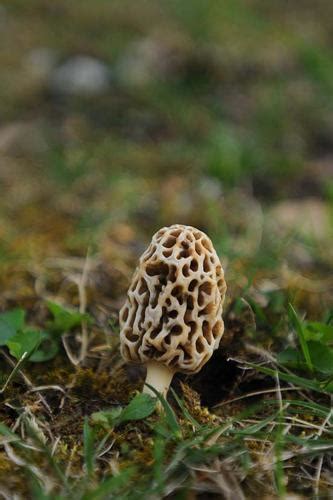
27,381
255,393
48,387
81,282
14,371
83,306
318,474
316,478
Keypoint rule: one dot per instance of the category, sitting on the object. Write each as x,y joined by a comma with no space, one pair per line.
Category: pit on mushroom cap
172,318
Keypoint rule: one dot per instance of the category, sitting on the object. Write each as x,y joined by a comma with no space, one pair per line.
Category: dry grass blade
27,381
14,371
255,393
47,481
219,480
81,283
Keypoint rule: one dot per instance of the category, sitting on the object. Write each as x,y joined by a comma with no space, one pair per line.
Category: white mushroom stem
158,376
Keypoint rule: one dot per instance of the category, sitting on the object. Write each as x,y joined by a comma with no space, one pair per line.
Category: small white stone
81,75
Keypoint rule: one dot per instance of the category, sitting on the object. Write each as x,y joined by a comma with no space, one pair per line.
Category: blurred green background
118,117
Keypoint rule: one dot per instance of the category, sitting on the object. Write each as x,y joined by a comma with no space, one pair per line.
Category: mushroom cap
173,310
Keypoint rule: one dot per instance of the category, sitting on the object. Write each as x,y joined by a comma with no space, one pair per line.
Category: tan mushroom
172,318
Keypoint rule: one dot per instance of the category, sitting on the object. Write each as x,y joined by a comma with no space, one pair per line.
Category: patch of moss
89,383
192,402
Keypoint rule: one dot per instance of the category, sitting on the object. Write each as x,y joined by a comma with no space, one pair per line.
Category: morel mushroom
172,318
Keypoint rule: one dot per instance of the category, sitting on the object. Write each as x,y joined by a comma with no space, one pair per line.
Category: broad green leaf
319,331
107,418
24,341
291,357
10,323
328,386
141,406
47,349
322,357
65,319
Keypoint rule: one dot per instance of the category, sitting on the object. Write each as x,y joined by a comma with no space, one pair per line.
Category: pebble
81,75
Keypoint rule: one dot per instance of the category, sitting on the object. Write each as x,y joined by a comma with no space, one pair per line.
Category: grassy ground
218,115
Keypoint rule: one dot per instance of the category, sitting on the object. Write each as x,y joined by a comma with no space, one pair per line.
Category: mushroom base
158,376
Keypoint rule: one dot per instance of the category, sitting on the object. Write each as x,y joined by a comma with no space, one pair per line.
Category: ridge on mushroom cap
173,311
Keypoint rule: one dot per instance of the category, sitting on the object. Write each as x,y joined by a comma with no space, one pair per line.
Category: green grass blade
305,383
185,411
16,368
111,486
88,445
300,332
170,416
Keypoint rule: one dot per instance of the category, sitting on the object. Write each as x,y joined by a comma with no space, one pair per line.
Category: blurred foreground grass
214,114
